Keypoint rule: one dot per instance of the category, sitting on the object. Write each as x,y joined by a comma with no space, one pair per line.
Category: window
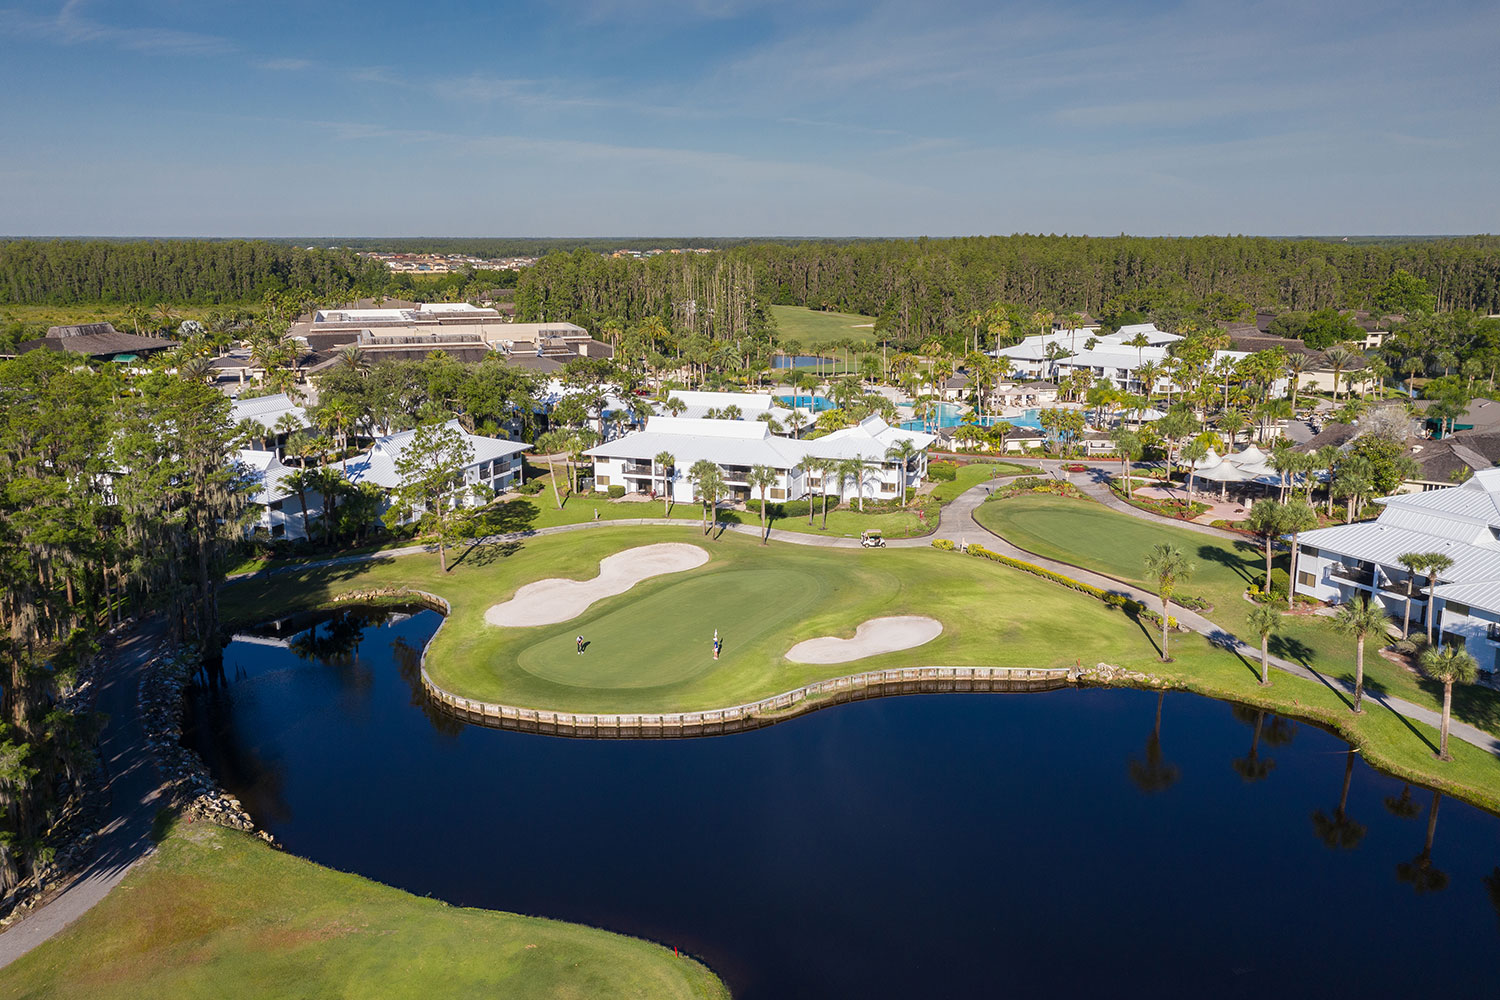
1306,580
1308,552
601,480
778,494
1453,607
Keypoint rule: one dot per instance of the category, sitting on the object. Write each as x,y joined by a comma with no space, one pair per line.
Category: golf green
667,637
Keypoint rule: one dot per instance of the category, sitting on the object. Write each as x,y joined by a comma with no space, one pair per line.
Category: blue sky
721,117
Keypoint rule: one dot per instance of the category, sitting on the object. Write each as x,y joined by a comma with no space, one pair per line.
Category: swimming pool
818,403
951,415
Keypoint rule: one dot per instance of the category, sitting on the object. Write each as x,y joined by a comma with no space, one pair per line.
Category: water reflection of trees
1492,886
1152,772
409,665
335,642
1339,831
1402,806
1270,729
1419,872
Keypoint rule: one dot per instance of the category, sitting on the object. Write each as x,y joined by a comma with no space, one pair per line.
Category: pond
1080,841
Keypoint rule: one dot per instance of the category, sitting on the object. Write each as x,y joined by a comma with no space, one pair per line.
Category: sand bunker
548,602
878,635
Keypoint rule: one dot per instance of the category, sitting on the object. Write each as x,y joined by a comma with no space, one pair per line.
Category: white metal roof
267,411
750,442
378,465
267,474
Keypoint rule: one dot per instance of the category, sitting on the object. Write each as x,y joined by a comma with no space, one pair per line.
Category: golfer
580,645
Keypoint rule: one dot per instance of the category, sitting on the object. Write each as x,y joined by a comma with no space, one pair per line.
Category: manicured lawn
650,647
216,913
813,329
1088,534
970,476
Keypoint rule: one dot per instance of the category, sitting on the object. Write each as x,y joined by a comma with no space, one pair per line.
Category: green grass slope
217,914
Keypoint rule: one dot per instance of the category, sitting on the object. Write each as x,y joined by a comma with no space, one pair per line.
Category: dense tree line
67,272
116,498
923,288
714,295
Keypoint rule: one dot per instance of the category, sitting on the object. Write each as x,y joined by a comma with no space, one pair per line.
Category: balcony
1492,632
638,469
1353,574
1397,588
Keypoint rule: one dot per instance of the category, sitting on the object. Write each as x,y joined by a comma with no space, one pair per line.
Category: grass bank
1088,534
216,913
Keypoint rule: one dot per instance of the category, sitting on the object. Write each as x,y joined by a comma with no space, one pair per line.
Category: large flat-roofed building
465,331
1460,522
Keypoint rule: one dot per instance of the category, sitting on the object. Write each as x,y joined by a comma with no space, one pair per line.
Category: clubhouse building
1461,522
737,445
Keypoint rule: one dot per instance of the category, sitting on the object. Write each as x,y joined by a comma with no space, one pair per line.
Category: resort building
1460,522
275,508
494,464
98,342
736,445
1114,356
464,331
277,416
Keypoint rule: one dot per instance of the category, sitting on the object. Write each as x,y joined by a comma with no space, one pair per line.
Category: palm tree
1266,520
1340,359
352,358
762,478
674,406
1265,619
551,444
708,483
1192,453
667,463
827,468
1340,831
301,482
1128,443
900,454
1168,566
1449,666
1412,563
851,469
1299,517
1433,564
1361,616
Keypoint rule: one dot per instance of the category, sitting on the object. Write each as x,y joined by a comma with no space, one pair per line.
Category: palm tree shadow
1218,554
1146,630
1295,649
1227,641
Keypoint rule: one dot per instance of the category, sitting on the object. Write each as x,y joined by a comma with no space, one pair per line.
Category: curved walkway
132,784
1223,637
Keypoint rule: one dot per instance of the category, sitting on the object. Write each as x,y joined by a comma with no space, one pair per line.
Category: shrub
1280,583
942,472
945,544
788,508
616,492
531,489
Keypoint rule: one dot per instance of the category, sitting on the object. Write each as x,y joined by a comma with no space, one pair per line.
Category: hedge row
1129,605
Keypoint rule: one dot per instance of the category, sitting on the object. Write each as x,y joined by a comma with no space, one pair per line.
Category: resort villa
493,464
1114,356
276,416
275,508
736,445
1459,522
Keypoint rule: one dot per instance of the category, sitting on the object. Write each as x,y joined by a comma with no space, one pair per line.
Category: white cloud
70,26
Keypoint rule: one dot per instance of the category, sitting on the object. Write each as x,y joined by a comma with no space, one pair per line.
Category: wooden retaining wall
716,722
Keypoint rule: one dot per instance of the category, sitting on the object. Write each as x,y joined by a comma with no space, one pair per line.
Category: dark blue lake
925,846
